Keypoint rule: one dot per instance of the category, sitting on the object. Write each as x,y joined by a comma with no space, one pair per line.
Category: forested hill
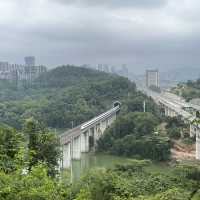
59,77
65,94
65,76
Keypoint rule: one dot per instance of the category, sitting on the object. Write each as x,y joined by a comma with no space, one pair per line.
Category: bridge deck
75,132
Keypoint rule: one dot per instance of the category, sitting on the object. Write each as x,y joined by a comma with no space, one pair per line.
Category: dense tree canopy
10,143
126,182
134,135
43,146
189,90
68,94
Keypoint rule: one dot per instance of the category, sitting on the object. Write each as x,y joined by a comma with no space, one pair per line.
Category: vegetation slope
29,156
67,94
189,90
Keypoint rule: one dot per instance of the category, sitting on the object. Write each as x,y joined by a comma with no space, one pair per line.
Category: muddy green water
90,161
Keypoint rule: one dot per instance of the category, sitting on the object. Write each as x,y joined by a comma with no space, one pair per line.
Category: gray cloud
138,33
117,3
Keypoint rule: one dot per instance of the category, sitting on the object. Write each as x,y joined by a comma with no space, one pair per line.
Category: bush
188,171
174,133
148,147
132,135
188,141
135,166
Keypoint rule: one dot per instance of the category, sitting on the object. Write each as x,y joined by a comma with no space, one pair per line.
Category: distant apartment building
29,61
100,67
113,70
124,70
16,72
152,78
106,68
87,66
3,66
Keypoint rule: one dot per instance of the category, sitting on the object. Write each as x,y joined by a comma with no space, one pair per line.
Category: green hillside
66,76
67,94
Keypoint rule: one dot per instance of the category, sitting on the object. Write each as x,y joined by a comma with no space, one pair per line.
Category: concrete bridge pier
91,138
76,148
166,111
66,162
85,142
198,146
173,114
169,112
98,133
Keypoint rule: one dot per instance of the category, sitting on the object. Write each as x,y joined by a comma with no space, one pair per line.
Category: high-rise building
152,78
87,66
124,70
113,70
3,66
106,68
29,61
100,67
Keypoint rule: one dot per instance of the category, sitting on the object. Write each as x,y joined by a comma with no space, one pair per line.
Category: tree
10,142
36,185
174,133
133,135
175,122
43,146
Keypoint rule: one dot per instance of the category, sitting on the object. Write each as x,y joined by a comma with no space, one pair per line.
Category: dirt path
183,152
178,155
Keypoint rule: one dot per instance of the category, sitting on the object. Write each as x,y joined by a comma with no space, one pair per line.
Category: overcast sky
141,33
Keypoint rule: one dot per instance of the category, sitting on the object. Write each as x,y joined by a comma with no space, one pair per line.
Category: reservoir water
90,160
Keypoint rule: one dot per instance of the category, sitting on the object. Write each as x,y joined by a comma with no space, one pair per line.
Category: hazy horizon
161,34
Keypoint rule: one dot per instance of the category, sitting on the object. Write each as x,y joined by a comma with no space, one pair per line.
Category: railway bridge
84,137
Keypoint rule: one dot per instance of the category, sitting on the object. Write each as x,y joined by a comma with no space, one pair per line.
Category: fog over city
141,33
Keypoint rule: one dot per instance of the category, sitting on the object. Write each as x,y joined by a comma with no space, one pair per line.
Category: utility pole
144,106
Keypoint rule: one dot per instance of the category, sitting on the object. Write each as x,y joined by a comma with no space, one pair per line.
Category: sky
161,34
